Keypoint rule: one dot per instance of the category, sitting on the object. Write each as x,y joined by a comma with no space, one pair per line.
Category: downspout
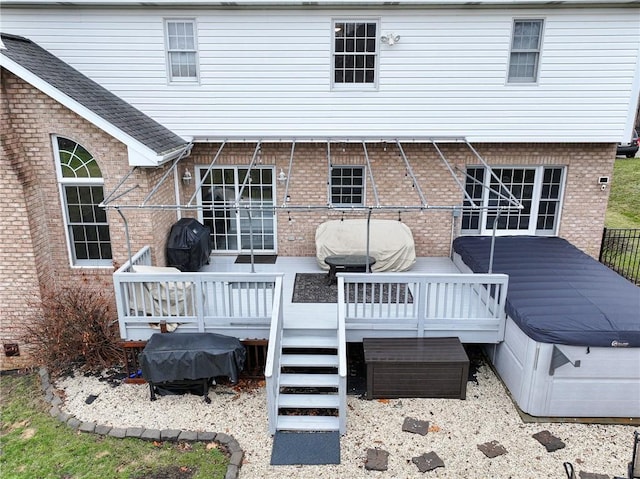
493,240
368,237
126,232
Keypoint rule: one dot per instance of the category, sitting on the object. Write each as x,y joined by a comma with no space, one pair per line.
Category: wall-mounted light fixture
390,39
603,181
282,176
186,178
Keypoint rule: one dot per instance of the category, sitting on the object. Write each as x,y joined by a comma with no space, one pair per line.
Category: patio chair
173,298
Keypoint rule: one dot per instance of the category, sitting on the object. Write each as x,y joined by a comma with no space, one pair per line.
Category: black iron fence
620,251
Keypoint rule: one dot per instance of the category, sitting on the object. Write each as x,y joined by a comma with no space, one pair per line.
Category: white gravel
457,427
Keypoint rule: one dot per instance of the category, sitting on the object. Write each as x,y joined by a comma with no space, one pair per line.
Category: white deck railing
234,304
469,306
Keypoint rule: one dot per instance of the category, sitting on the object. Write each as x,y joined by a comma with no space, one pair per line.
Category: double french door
249,226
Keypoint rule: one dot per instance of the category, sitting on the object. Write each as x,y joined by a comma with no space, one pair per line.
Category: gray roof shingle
88,93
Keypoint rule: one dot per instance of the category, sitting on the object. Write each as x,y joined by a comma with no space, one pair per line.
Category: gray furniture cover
390,242
557,293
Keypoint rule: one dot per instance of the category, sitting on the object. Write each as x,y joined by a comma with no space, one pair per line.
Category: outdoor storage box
416,367
188,245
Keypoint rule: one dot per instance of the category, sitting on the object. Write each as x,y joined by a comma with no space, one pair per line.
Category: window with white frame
182,52
525,51
347,185
538,189
354,53
82,191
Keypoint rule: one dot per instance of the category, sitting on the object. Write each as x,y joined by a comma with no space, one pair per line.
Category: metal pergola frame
511,202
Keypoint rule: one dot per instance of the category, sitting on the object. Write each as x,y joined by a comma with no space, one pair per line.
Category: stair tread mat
308,448
315,288
257,259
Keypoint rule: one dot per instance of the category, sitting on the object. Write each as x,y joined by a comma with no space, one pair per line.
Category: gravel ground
456,429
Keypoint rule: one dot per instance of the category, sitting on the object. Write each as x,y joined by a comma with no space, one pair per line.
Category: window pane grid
525,50
181,50
520,182
473,187
539,190
347,185
355,52
231,229
87,223
549,199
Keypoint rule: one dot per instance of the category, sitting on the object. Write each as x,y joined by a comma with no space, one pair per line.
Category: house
313,111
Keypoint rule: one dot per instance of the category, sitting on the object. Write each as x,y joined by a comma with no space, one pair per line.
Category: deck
432,299
312,315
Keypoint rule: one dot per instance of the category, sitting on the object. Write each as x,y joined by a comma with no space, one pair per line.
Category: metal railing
620,251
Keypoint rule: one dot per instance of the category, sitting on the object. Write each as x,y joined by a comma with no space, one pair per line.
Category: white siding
268,73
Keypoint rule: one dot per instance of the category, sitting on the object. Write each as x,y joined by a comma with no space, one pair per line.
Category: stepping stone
592,475
492,449
548,440
415,426
427,462
377,460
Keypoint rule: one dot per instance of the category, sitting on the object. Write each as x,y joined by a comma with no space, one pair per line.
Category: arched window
81,190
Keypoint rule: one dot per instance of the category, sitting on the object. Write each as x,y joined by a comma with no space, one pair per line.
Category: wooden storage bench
416,367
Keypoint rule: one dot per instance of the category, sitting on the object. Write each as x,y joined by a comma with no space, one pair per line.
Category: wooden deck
312,315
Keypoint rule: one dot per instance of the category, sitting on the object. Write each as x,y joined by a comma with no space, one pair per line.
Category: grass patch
624,199
35,445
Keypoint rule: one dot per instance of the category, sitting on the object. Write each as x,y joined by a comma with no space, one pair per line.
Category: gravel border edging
233,447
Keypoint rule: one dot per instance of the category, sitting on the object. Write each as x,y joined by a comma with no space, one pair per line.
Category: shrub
76,329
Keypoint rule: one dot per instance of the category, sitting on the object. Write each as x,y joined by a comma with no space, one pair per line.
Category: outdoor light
390,39
282,177
186,178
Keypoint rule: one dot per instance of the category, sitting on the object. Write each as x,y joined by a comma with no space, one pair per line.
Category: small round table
348,263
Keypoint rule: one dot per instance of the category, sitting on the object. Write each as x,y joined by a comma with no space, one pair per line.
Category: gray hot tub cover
557,293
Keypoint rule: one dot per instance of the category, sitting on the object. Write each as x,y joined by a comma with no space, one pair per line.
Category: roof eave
322,3
139,153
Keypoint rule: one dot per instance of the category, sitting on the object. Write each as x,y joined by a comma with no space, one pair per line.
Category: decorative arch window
82,191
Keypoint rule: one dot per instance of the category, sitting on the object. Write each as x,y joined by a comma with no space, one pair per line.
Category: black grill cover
183,356
189,245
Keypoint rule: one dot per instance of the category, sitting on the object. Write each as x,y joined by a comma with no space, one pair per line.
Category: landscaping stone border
225,440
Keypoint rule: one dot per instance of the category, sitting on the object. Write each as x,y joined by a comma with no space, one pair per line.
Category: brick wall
581,222
33,248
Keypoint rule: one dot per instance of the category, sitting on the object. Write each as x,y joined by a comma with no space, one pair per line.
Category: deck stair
311,396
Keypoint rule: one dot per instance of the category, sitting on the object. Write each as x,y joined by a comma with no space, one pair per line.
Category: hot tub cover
557,293
390,242
185,356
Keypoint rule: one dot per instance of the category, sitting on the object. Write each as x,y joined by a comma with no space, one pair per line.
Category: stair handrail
342,356
272,364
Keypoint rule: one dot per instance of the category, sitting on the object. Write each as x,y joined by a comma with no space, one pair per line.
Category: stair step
302,360
309,401
309,341
308,423
309,380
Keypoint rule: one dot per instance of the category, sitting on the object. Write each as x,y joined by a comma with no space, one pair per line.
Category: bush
77,329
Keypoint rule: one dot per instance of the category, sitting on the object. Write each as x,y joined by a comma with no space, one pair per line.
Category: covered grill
189,245
184,361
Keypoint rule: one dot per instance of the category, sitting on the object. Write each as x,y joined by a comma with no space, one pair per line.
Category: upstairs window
82,191
347,185
355,53
182,54
538,189
525,51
